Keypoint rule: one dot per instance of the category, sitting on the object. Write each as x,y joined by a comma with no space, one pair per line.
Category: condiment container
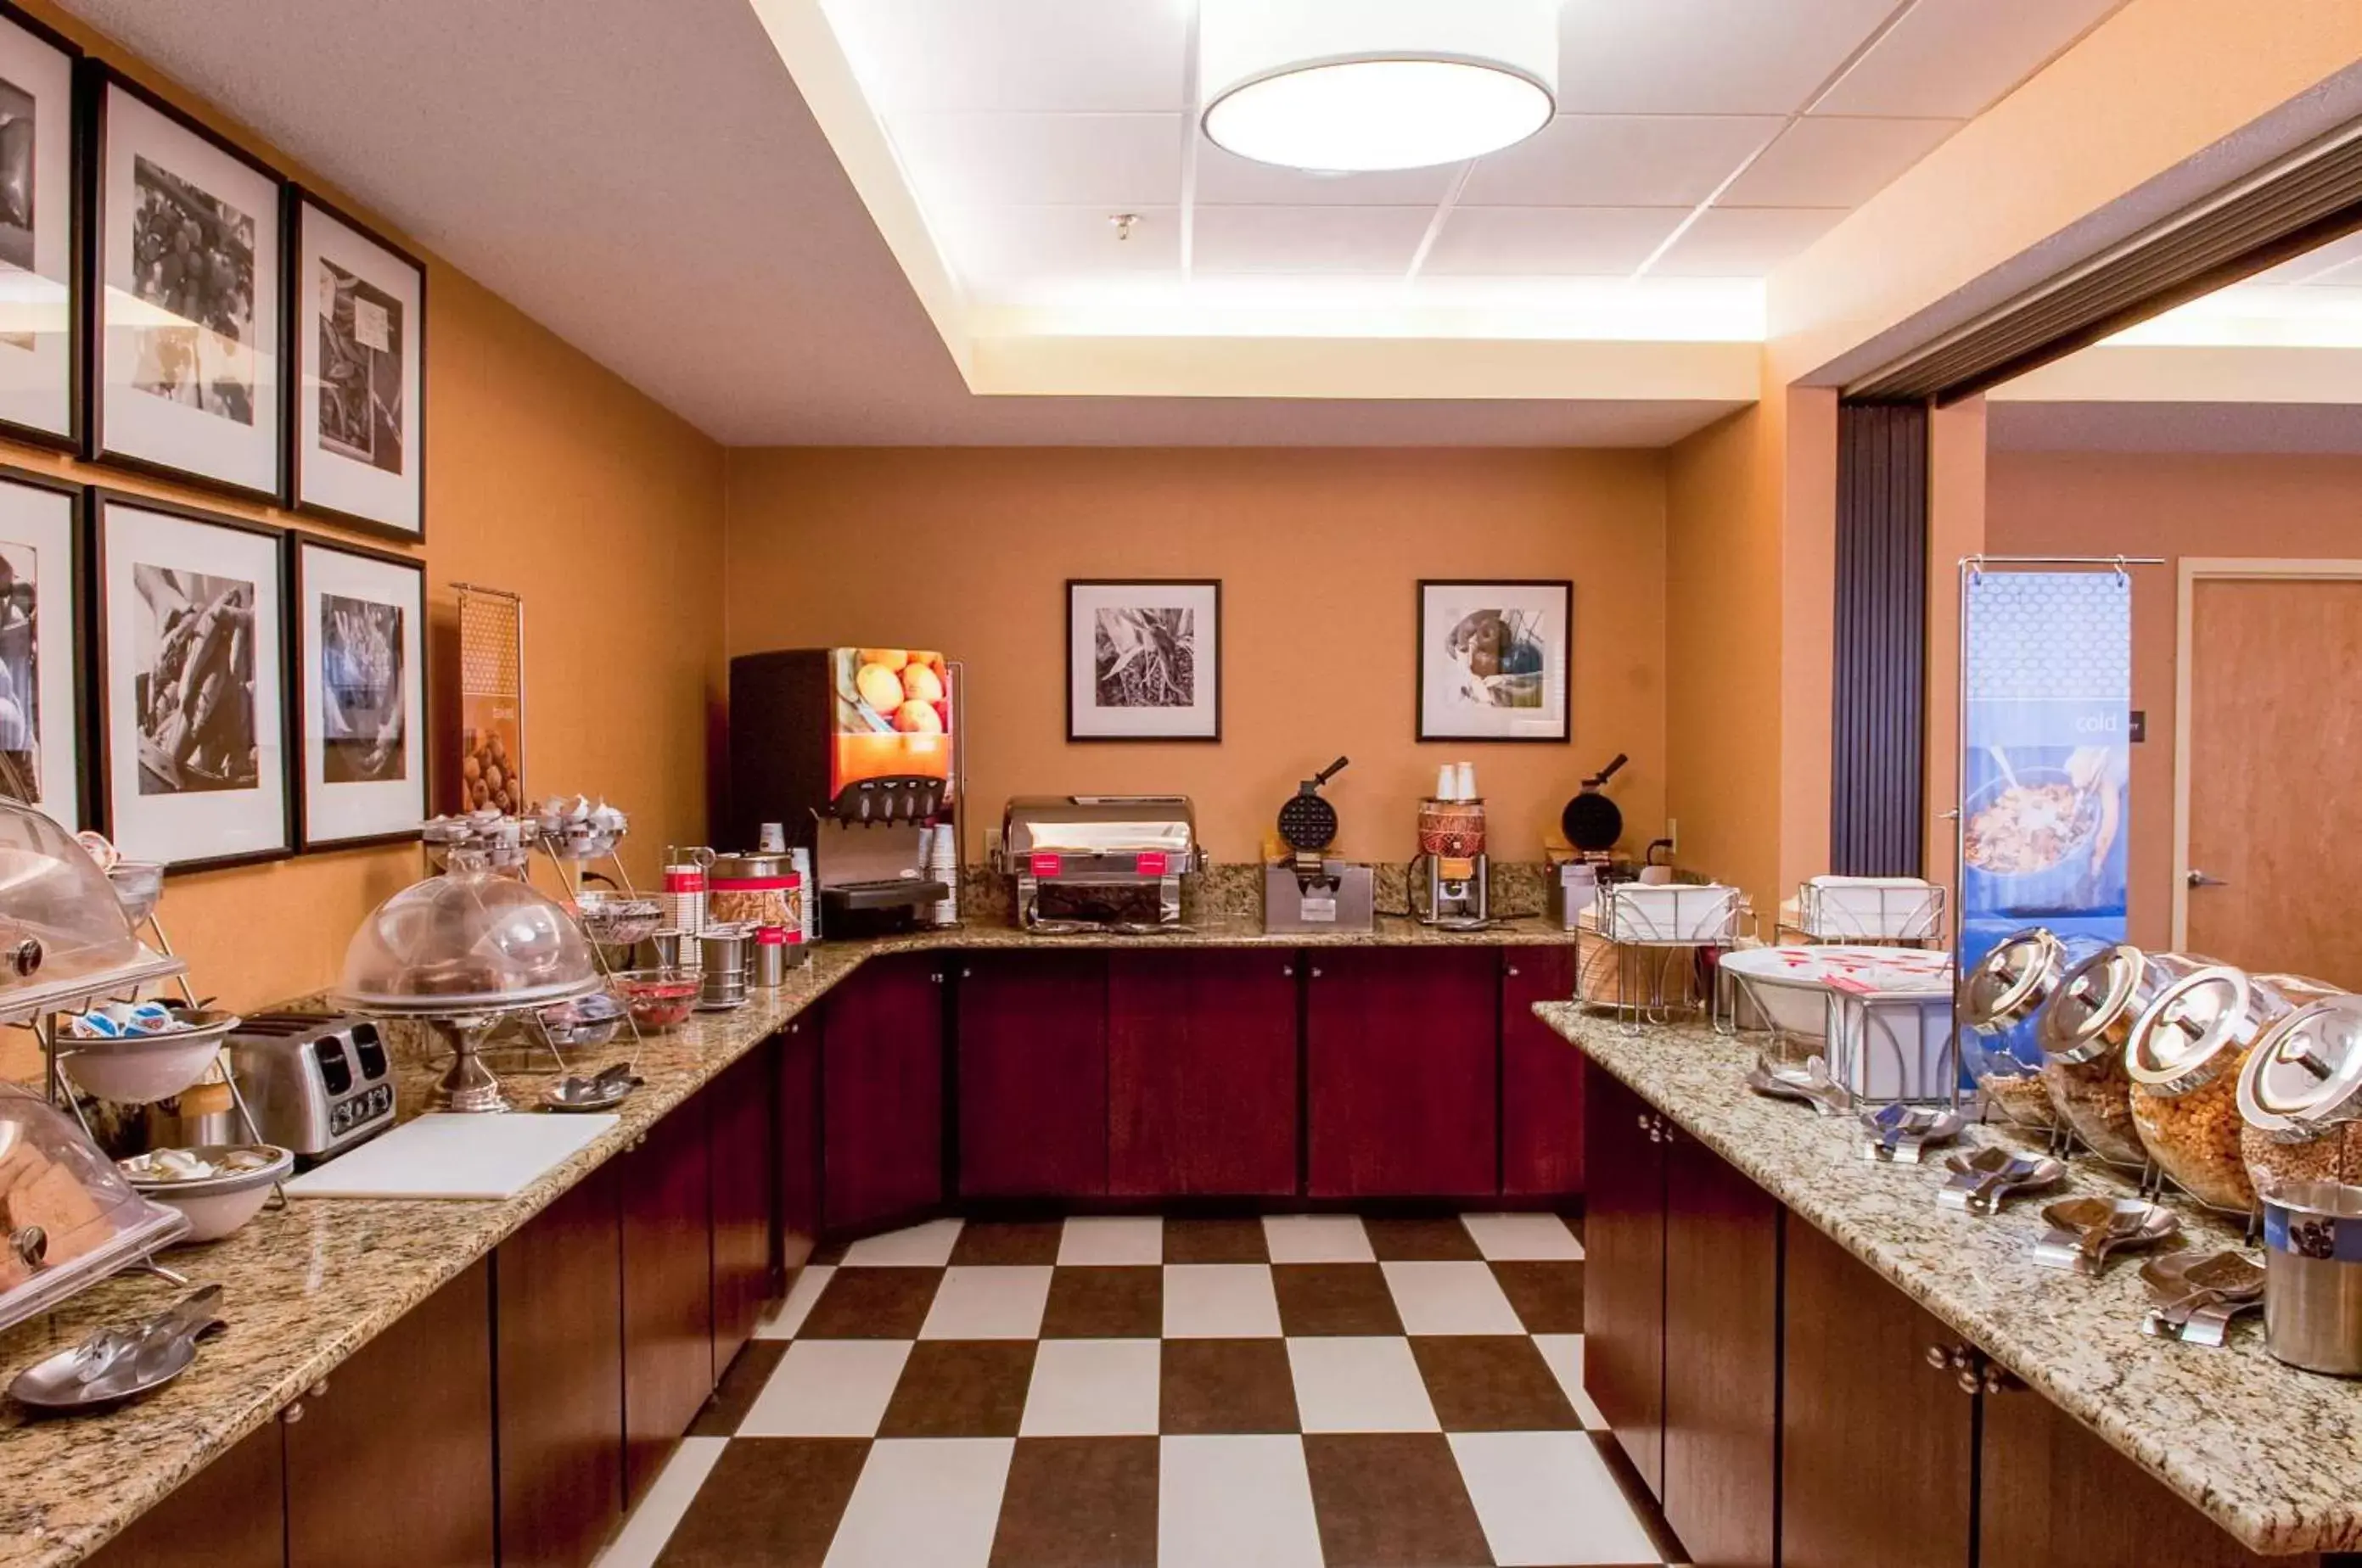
2083,1031
2300,1097
770,958
2313,1276
724,951
754,890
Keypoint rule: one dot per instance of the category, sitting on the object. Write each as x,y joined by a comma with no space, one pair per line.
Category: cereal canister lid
2306,1070
2090,999
2002,987
2183,1042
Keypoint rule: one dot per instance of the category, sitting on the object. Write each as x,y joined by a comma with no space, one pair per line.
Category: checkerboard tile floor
1101,1393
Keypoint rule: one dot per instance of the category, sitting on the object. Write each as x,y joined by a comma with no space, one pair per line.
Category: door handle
2199,879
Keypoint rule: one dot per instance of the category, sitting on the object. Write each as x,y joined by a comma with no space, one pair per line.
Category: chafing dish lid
2306,1071
468,939
1099,824
2002,987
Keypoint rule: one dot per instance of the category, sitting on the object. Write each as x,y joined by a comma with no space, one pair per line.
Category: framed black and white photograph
40,641
187,265
1492,660
192,719
359,353
359,655
40,283
1144,660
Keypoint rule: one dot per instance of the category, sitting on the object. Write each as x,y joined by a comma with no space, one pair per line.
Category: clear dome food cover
68,1218
469,939
60,918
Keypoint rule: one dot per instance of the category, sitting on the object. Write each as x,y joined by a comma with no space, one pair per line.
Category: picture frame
184,296
41,225
358,648
42,689
191,717
1143,659
356,387
1493,659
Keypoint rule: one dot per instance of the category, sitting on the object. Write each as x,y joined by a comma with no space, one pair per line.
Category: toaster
317,1084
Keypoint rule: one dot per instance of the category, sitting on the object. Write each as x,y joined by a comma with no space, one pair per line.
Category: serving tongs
1982,1180
116,1361
1900,1135
1810,1083
2199,1294
604,1092
2083,1231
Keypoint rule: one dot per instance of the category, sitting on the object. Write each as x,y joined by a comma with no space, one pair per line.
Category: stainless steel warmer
1098,862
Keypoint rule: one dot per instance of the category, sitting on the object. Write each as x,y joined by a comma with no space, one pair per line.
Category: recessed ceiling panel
1048,245
1533,242
1825,162
1619,160
1310,240
1113,161
1953,59
1704,57
1054,56
1744,242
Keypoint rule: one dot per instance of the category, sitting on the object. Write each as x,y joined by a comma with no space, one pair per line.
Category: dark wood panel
1877,712
1722,1359
231,1514
1541,1079
798,1129
559,1358
1202,1090
666,1198
1034,1075
405,1424
882,1081
1624,1274
1863,1414
1401,1052
739,1106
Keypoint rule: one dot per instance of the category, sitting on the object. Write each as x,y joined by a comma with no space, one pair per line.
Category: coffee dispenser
1449,884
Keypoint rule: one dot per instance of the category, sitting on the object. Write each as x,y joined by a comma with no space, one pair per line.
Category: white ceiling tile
1309,239
1954,59
1226,179
1706,57
1744,242
967,159
1532,242
1001,244
1054,56
1828,162
1619,160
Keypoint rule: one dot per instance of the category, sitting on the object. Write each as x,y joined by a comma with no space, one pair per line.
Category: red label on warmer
1152,864
772,935
684,882
1045,865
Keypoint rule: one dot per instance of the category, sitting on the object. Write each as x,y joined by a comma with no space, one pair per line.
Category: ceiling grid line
1442,216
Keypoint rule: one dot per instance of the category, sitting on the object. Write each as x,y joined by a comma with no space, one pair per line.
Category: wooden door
1034,1075
1402,1054
1624,1274
665,1199
798,1128
739,1106
1722,1359
1202,1090
1541,1079
2272,739
231,1514
1863,1414
882,1081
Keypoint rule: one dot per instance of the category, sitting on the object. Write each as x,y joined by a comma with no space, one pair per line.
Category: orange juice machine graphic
853,752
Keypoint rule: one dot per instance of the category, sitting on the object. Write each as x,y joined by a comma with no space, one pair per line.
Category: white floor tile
1513,1237
1234,1502
1094,1387
643,1537
1360,1385
1105,1239
1317,1238
931,1500
975,1302
919,1246
828,1388
1219,1301
1450,1299
1548,1497
1564,1354
790,1315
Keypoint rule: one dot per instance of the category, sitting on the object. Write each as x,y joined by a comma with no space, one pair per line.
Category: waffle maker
1309,892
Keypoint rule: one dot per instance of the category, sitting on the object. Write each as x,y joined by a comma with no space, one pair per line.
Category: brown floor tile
873,1303
1422,1241
1213,1386
1216,1241
1392,1500
1492,1383
829,1254
735,1393
1079,1502
1323,1299
1547,1296
953,1387
1008,1241
1105,1303
770,1502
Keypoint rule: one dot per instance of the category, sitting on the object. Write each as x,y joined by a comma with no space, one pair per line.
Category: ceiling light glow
1357,86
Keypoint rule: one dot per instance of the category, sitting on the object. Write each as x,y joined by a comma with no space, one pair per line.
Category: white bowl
140,1069
218,1205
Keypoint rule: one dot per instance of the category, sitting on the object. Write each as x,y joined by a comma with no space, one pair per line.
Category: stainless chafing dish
1098,862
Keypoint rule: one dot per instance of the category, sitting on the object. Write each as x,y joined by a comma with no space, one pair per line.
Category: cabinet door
231,1514
1541,1079
1862,1414
1034,1075
406,1423
1402,1061
665,1196
1201,1073
799,1144
739,1105
1624,1274
1722,1358
882,1050
558,1355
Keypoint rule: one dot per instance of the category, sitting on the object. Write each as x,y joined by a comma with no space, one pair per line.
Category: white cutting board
452,1156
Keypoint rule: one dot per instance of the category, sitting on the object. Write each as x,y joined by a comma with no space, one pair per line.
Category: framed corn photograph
1144,660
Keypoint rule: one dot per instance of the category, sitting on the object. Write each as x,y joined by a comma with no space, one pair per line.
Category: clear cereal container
1995,1004
2300,1097
2081,1032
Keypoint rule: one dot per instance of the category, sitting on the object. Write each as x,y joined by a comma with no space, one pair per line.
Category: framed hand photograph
41,641
192,679
186,274
359,350
1492,660
1144,660
40,275
360,719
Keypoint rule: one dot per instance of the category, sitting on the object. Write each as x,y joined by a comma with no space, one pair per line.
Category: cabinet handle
1936,1358
292,1413
1648,1122
1513,971
935,977
318,1390
1969,1382
966,973
1316,971
1998,1380
1287,970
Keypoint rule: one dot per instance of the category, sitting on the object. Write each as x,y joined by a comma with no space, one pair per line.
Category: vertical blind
1879,758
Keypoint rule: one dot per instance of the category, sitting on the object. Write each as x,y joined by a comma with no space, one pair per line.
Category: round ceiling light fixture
1357,86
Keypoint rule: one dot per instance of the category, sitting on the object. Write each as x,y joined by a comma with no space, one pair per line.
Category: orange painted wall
1318,551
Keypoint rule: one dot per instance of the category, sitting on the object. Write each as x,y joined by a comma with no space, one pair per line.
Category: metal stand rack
1656,930
1868,916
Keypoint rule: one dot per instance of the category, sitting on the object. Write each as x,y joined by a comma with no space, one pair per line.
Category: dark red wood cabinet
231,1514
739,1107
1034,1075
1624,1274
1202,1092
882,1085
666,1195
798,1125
1401,1056
1541,1079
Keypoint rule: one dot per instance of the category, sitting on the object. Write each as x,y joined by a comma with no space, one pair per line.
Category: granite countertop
2272,1454
307,1286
